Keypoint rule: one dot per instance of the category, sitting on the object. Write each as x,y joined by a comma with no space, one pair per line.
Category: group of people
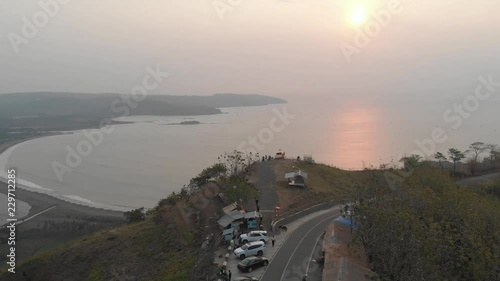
267,158
226,275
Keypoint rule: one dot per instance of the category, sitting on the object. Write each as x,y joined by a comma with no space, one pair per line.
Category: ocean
137,164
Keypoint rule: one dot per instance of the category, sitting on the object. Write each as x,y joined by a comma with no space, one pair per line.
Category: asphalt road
294,258
477,179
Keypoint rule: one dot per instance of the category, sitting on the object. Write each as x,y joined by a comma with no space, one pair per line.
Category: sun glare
358,16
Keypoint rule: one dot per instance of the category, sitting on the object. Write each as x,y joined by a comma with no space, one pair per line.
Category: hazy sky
284,48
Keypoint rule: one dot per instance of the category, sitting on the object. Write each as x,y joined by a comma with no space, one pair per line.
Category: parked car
256,235
246,278
252,263
250,249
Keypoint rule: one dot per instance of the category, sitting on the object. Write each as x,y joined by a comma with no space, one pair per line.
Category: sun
358,16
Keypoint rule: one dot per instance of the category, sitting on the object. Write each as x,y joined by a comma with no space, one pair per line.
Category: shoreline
50,221
66,198
41,201
43,198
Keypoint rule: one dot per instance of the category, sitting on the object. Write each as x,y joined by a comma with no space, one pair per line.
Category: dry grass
164,249
324,183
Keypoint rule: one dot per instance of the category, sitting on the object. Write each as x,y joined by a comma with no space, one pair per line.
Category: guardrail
288,218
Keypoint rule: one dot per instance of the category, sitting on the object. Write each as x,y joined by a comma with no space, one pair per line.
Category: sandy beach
50,221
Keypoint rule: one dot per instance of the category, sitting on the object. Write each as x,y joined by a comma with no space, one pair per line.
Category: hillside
323,183
46,104
166,246
25,115
177,239
220,100
431,229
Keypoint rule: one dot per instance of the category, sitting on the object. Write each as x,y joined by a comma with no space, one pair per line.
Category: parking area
231,261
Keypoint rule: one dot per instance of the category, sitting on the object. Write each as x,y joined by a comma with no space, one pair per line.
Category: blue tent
345,221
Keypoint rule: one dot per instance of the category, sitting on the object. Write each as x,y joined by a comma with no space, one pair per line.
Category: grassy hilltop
426,228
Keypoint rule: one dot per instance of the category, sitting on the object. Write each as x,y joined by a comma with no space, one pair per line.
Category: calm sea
140,163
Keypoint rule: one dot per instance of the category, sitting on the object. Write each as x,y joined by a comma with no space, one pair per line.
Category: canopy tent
229,208
296,178
280,155
230,217
293,175
237,215
345,221
250,215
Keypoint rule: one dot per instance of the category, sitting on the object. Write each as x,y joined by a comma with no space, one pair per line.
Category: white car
252,236
251,249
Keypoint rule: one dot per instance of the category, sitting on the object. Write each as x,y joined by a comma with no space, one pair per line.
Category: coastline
46,192
51,221
40,200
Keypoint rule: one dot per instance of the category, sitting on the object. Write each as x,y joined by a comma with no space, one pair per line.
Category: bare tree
476,149
234,162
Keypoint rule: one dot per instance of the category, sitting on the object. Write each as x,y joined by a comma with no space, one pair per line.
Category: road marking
314,215
312,252
296,247
37,214
30,217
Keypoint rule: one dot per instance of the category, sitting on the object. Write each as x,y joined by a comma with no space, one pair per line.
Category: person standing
229,275
273,241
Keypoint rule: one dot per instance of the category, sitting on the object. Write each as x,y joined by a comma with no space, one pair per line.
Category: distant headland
34,114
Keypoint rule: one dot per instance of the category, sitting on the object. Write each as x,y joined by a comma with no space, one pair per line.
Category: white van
256,235
251,249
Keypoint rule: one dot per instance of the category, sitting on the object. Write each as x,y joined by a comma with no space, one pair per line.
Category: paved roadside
264,181
290,249
294,256
478,179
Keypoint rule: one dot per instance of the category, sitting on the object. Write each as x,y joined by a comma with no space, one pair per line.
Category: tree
422,233
213,172
456,156
411,162
250,157
240,190
235,162
135,215
440,158
476,149
492,148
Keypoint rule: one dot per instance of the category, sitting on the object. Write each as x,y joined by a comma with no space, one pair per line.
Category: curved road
293,259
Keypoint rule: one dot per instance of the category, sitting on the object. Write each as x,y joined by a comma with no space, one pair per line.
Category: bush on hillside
431,230
135,215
